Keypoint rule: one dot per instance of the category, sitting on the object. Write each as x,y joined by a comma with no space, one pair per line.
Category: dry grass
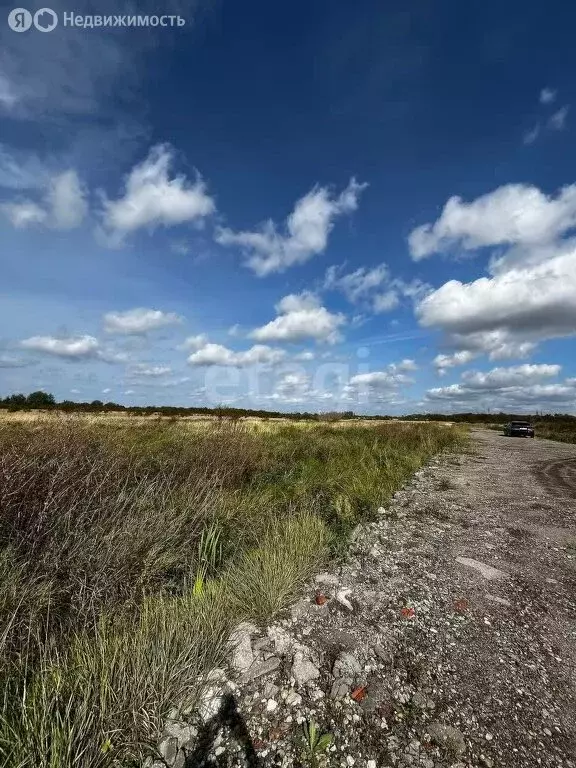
129,548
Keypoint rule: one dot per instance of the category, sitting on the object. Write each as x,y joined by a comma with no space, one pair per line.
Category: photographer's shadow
229,717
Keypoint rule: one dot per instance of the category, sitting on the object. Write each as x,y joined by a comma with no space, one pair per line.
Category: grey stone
260,644
382,653
328,579
281,639
300,610
487,571
259,669
376,694
293,699
178,730
242,656
340,688
168,749
347,665
270,690
303,670
448,737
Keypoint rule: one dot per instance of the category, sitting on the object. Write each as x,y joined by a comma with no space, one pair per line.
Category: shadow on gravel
229,717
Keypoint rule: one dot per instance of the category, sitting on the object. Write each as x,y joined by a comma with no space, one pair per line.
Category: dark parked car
519,429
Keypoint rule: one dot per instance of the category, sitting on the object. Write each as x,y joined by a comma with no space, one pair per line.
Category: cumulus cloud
195,342
547,95
209,354
301,316
74,347
379,386
64,205
138,321
510,312
530,292
514,214
516,387
443,362
154,197
306,232
373,288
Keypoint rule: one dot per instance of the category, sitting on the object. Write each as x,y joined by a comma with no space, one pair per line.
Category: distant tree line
45,401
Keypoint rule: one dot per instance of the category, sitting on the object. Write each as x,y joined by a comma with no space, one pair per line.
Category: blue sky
330,205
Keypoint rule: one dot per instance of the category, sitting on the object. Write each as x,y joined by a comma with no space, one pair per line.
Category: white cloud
499,378
153,198
106,391
216,354
386,302
531,135
516,387
557,121
379,386
515,308
515,214
64,205
195,342
374,288
530,292
358,284
150,371
66,201
443,362
74,347
305,356
138,321
307,231
547,95
301,316
24,214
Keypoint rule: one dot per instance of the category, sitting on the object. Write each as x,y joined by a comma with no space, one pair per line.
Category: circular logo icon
45,20
19,20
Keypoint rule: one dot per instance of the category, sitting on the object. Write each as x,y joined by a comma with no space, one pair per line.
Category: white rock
271,705
371,764
293,699
281,639
327,578
487,571
303,670
342,598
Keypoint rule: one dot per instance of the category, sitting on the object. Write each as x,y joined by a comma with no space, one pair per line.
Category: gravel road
448,638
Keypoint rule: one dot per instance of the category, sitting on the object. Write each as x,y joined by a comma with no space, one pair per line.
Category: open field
127,555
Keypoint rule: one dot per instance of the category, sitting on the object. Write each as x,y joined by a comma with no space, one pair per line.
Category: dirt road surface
449,635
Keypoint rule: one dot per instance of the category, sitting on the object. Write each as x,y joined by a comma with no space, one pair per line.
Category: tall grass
127,555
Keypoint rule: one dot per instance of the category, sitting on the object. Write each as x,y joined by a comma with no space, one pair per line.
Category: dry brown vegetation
128,549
